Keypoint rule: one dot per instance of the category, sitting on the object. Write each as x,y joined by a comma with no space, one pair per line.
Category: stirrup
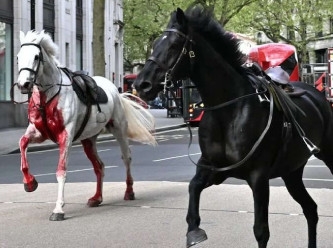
312,147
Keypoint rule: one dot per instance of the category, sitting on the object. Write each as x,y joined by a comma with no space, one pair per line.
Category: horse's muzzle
145,86
25,88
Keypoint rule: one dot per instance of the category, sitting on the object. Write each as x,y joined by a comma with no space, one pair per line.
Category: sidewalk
10,137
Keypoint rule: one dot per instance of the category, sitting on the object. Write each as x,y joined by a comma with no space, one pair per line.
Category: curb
103,137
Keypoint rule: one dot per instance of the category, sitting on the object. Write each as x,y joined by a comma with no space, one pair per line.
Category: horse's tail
141,123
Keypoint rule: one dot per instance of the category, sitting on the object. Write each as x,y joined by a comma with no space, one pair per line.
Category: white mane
44,40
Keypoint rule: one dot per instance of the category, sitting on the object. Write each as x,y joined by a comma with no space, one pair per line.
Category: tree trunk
98,38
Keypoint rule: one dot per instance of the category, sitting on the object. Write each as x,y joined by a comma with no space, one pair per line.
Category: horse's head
171,54
34,52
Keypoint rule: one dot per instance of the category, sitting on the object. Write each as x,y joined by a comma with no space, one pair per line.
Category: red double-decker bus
276,54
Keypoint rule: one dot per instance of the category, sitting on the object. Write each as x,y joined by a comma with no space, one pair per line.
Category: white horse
55,112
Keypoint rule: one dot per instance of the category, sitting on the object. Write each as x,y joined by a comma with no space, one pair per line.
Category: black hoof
196,236
57,216
30,187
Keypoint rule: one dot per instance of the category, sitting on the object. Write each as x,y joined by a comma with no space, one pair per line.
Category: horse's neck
51,78
216,80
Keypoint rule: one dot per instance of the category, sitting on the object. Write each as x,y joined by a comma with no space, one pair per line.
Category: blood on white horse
56,113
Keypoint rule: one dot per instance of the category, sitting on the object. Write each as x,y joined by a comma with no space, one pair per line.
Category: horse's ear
181,19
21,37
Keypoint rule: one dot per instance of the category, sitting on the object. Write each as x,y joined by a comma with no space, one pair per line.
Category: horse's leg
195,234
65,143
32,135
89,146
297,190
120,132
260,190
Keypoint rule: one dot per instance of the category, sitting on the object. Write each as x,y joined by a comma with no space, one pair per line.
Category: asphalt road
169,161
157,217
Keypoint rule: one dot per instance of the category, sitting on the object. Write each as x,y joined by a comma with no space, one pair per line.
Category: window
321,56
48,17
5,60
290,34
79,35
6,52
79,59
67,54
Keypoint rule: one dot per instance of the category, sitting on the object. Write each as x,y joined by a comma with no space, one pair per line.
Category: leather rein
168,84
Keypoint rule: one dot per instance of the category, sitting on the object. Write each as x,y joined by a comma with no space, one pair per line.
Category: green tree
145,20
98,37
225,10
296,22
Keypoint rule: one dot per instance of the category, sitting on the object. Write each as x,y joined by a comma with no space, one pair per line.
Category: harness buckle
262,99
191,53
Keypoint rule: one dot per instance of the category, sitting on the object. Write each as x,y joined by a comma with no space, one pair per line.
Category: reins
256,144
168,84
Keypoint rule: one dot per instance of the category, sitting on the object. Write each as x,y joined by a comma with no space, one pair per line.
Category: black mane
225,43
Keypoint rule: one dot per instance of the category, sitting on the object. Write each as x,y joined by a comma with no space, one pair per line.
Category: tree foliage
98,37
296,22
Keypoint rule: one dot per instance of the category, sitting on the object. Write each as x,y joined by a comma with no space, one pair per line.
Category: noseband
40,59
187,46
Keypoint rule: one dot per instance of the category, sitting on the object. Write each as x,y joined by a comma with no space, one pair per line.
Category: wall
15,115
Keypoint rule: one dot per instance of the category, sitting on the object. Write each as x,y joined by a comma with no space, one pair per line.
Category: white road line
317,179
49,174
181,156
315,166
310,179
104,150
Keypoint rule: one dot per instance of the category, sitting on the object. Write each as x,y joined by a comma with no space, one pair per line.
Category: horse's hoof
32,186
92,203
196,236
57,216
129,196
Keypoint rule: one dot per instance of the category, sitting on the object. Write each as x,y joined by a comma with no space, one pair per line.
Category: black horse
250,130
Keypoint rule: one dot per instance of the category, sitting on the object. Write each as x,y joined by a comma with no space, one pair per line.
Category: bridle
187,49
40,59
35,72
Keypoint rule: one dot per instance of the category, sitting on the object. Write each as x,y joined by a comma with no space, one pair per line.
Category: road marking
181,156
309,179
315,166
317,179
104,150
72,171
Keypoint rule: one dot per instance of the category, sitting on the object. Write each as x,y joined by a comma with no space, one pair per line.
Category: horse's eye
36,57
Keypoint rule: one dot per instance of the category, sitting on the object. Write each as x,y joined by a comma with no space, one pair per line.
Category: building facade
70,23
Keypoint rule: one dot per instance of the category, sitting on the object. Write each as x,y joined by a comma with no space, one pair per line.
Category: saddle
89,93
280,78
276,81
86,88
